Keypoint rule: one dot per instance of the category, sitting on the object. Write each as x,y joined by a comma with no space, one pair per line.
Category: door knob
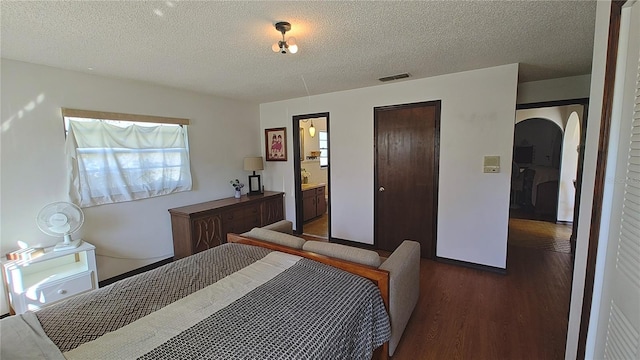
381,189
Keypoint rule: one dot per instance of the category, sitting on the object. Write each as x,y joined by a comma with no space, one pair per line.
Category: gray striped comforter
307,311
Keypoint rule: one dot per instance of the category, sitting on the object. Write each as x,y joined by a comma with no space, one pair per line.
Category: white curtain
109,163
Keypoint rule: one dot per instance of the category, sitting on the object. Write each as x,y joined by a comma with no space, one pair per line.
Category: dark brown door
406,184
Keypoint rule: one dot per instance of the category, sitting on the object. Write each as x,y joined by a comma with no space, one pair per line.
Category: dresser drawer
241,213
59,290
241,225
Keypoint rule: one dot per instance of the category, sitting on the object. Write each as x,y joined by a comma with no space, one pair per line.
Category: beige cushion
275,237
283,226
348,253
404,287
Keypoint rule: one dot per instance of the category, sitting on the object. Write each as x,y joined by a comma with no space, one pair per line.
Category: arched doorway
536,159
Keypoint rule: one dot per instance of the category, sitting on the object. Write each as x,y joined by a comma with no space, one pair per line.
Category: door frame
613,39
584,102
436,170
297,169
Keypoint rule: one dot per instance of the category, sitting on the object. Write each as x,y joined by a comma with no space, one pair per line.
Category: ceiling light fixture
285,46
312,130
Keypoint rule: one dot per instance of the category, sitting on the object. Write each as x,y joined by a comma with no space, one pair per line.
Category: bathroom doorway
312,175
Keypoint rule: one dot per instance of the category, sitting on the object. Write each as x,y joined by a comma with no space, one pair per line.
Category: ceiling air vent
394,77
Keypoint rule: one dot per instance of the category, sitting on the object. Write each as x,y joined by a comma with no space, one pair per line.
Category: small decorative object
237,185
305,176
314,155
275,141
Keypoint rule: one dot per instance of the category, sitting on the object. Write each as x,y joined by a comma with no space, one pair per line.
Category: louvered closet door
618,329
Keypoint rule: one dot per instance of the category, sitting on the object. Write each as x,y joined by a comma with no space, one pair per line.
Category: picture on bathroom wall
275,140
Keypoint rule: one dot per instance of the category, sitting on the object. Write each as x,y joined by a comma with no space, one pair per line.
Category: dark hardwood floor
464,313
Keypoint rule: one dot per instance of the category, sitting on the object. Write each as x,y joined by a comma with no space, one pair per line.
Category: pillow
348,253
275,237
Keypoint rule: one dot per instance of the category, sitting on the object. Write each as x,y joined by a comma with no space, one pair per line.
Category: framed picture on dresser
275,141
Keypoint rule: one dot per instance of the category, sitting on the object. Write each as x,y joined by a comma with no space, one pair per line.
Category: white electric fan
61,219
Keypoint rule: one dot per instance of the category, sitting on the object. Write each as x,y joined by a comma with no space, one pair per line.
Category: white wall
127,235
573,87
478,108
569,168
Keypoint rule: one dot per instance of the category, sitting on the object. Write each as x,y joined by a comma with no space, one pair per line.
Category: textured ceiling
224,48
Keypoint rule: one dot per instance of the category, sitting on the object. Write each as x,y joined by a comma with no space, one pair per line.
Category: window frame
326,148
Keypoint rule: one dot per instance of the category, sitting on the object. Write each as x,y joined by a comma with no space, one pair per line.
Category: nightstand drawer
49,293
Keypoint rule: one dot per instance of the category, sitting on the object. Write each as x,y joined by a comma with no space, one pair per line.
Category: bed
235,301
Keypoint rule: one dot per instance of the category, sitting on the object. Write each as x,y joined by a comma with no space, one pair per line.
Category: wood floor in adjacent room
318,227
464,313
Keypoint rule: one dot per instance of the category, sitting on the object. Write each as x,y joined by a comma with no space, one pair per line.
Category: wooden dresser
199,227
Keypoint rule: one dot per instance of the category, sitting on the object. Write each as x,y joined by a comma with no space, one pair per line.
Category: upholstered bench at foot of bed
403,266
282,226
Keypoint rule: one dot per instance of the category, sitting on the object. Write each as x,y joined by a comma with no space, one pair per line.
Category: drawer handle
62,291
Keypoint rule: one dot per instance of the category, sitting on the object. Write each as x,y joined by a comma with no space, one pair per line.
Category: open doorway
536,169
546,174
551,240
312,180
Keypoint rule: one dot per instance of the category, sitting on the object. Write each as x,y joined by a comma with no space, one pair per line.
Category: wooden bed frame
377,276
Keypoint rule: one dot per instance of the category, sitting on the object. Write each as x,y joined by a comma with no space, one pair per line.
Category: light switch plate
492,164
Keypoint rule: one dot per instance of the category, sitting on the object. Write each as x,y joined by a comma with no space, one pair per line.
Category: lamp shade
253,163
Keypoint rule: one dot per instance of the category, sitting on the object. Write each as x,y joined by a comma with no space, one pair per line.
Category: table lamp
253,164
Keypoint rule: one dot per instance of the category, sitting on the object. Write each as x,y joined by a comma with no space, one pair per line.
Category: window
114,159
323,139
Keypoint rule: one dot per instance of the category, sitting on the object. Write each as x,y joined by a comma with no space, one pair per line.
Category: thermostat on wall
492,164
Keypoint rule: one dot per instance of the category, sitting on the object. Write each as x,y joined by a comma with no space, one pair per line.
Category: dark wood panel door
406,183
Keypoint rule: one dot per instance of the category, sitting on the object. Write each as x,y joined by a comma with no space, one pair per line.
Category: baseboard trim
352,243
133,272
471,265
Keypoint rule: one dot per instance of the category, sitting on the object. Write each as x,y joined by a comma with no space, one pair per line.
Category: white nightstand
54,276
